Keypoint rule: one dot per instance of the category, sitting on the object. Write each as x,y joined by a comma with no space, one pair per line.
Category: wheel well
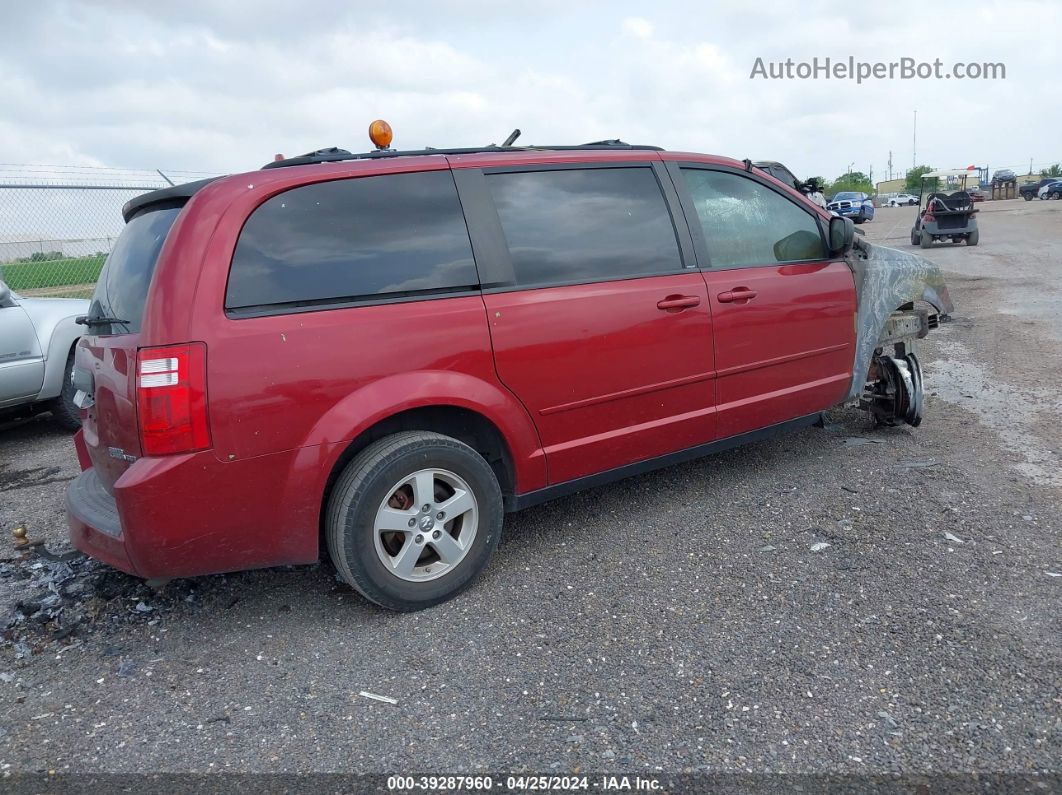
465,425
71,351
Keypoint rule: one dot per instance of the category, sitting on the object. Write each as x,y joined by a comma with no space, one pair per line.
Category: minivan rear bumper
191,514
95,528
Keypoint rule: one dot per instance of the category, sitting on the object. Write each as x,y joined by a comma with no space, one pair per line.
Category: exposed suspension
894,391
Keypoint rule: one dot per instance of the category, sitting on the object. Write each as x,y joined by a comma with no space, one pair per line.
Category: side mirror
842,234
5,295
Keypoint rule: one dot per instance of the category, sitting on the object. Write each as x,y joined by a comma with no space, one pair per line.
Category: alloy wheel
425,525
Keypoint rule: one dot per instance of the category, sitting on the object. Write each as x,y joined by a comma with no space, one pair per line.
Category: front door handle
675,303
738,294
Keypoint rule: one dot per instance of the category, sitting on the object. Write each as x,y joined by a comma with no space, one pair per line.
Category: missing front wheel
894,390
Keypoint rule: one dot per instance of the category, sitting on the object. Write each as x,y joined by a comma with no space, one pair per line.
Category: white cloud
221,87
638,27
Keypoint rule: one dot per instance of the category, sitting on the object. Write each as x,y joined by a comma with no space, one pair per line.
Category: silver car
37,337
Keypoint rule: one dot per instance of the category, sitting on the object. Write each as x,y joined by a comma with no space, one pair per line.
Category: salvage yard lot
840,599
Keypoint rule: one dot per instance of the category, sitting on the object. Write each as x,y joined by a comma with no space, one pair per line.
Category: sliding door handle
741,294
674,303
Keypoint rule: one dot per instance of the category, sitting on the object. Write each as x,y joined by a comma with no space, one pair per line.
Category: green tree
816,184
852,181
42,256
914,179
1053,171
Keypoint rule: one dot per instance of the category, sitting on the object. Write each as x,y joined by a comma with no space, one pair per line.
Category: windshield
126,276
848,196
785,175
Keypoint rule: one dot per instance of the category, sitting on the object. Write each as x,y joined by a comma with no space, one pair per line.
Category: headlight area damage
901,297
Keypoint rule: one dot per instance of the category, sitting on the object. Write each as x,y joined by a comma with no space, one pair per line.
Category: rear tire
914,237
926,240
387,486
973,237
1027,196
65,414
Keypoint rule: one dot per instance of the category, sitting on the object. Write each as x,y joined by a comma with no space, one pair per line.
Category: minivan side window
397,235
584,225
747,223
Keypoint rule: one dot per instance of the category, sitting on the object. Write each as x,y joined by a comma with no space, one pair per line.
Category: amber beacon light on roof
381,134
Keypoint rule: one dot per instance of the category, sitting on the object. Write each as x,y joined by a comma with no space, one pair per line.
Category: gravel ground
841,600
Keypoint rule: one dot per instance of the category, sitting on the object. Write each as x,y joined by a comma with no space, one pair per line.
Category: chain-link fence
58,224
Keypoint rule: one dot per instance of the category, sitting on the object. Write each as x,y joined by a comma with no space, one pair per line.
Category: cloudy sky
221,86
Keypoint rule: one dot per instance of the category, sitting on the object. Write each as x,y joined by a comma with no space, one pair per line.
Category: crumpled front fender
886,279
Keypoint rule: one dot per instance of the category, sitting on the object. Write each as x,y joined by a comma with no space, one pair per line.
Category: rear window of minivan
123,284
360,239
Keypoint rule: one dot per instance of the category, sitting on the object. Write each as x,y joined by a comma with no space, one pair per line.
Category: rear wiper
101,320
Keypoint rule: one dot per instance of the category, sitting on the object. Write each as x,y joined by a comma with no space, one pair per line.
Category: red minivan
381,354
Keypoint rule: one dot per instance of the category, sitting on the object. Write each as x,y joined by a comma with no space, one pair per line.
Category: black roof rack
334,154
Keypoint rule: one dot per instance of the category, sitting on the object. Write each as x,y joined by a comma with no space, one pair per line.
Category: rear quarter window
126,276
396,235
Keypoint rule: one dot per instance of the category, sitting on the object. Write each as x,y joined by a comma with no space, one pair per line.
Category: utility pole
890,165
1030,165
914,142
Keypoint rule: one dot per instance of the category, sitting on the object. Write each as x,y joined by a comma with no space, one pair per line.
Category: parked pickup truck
857,206
37,338
1029,190
903,200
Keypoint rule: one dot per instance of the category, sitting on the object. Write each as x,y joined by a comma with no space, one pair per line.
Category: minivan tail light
171,399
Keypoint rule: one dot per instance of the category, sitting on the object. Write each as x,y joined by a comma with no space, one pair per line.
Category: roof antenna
512,137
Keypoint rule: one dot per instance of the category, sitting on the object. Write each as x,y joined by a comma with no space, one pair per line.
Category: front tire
413,519
65,414
1027,196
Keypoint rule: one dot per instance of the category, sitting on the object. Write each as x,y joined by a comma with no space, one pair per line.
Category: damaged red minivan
380,354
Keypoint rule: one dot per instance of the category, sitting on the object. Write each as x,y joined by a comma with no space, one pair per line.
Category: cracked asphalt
842,600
